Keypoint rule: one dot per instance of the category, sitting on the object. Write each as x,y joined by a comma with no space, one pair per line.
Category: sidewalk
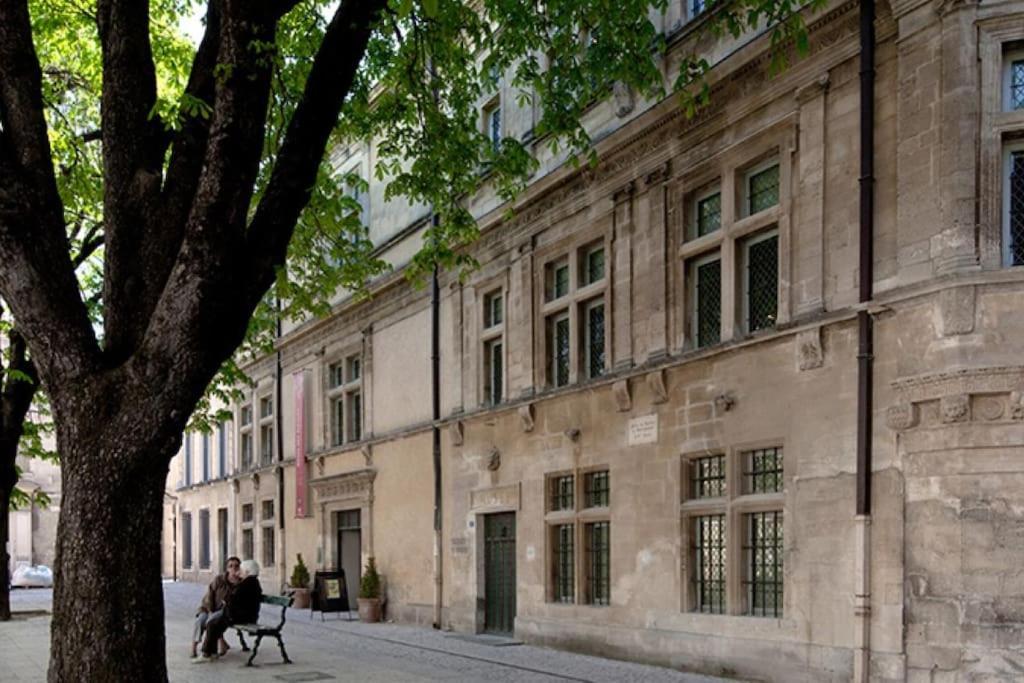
334,650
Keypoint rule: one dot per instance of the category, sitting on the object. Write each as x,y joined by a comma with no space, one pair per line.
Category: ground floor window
267,541
597,535
186,540
564,563
204,539
763,565
709,563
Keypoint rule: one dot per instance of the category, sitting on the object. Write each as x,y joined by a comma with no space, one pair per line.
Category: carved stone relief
624,100
979,394
955,408
956,311
901,416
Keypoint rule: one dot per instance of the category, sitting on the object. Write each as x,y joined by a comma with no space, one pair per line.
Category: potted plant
369,594
300,584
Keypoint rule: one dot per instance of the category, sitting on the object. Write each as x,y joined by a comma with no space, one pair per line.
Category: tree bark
108,603
6,487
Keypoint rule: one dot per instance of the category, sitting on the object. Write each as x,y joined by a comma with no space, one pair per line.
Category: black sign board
330,594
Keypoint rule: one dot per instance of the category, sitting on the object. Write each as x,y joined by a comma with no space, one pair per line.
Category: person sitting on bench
213,603
242,607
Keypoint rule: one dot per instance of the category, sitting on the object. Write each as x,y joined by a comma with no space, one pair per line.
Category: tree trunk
5,559
108,603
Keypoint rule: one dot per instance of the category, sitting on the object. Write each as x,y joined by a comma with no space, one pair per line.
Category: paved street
334,650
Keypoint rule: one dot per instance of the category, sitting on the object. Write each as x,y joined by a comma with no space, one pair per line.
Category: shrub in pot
369,594
300,584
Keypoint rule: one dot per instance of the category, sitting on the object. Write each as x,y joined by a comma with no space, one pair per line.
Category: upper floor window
761,188
492,124
1013,80
493,340
697,7
707,213
266,404
760,255
574,315
188,458
1013,200
344,399
354,188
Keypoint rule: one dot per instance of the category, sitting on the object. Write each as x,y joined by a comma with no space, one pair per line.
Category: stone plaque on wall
643,429
504,497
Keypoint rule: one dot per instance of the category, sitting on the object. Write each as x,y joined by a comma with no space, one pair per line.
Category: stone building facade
649,387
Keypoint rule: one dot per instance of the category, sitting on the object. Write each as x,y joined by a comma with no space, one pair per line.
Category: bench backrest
279,600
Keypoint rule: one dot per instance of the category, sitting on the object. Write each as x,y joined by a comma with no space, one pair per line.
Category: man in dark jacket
213,602
242,607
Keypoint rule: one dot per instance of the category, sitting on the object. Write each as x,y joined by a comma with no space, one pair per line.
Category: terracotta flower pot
369,610
301,597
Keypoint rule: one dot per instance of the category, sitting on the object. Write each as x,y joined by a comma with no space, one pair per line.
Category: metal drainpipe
279,429
435,382
865,346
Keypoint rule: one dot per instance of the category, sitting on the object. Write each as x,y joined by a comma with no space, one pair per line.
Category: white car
32,576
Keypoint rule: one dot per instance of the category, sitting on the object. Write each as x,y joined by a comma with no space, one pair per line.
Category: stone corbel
493,459
809,352
456,431
620,391
236,484
526,418
256,481
656,383
321,462
624,100
367,451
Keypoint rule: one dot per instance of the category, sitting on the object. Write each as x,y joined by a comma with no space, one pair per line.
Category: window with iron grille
564,563
188,459
598,561
762,470
1013,231
592,269
557,279
204,539
493,313
186,540
267,510
763,563
708,480
267,543
707,300
762,189
596,489
562,492
709,575
206,457
355,422
708,217
247,512
761,280
559,350
1014,77
593,356
247,544
493,357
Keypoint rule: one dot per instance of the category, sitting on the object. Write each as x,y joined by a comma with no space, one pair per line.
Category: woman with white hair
243,607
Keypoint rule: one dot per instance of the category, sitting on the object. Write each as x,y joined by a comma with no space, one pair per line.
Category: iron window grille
762,285
710,563
596,489
762,471
762,189
562,492
708,477
493,355
557,279
709,214
247,543
707,306
493,313
594,339
1014,232
598,550
560,350
204,539
564,580
188,459
763,552
267,541
593,266
186,540
1016,84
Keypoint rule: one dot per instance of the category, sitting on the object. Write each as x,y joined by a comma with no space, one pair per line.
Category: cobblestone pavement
333,650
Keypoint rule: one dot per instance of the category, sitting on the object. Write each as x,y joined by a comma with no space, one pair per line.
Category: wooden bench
261,630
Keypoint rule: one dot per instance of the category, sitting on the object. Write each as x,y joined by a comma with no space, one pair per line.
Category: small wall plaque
643,429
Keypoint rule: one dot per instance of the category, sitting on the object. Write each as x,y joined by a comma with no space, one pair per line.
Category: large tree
206,193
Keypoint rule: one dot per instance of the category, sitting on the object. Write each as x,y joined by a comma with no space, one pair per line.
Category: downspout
282,562
435,388
865,347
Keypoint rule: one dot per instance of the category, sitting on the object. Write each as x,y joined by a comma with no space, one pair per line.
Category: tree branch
132,165
294,175
18,392
36,280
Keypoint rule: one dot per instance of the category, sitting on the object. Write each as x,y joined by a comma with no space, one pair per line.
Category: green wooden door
500,572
